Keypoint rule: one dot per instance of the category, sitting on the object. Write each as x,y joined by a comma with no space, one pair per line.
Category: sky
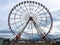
52,5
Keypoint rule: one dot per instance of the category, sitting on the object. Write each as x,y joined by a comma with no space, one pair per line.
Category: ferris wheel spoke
43,13
26,8
36,9
19,11
17,14
43,17
23,9
17,22
42,24
20,25
29,8
41,21
15,18
38,12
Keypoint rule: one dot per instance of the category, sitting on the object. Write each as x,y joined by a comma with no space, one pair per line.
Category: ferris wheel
30,17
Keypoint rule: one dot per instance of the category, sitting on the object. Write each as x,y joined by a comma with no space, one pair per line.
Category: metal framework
30,14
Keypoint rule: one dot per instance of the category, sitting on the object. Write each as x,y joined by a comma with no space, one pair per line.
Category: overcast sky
6,6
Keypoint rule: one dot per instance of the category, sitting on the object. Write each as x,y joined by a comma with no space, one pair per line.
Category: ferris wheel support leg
15,40
19,34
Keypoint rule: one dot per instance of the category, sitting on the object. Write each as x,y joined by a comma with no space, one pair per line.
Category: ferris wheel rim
28,2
